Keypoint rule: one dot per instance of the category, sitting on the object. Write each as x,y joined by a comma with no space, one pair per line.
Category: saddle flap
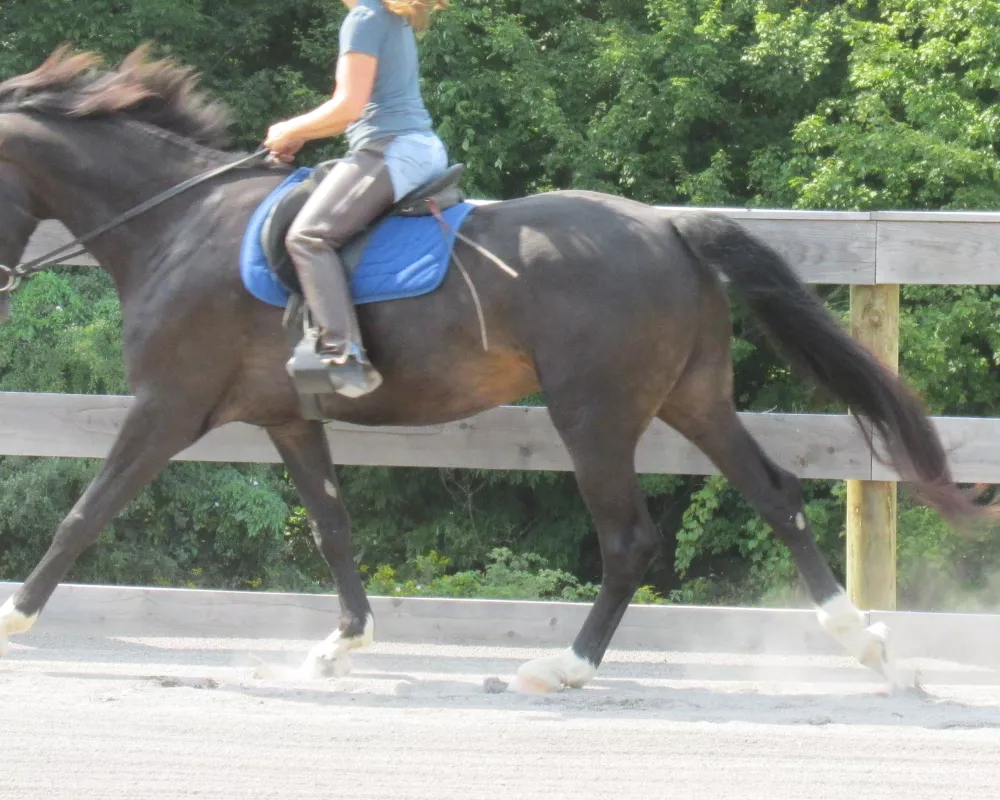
272,234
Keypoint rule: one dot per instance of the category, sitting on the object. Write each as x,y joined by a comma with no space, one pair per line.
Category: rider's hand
282,141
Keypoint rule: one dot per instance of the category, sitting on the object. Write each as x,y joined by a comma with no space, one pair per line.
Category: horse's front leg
304,449
153,432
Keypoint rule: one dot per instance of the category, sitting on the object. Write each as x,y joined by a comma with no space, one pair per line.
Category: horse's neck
126,167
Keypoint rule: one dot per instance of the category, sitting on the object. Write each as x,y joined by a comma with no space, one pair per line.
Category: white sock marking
842,620
331,655
869,645
553,673
12,622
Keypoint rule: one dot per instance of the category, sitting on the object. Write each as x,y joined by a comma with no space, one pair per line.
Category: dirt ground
162,718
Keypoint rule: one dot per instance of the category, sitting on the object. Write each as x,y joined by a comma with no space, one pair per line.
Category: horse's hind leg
706,416
601,442
303,447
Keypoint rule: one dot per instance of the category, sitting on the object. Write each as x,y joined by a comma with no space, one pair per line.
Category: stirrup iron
308,371
313,375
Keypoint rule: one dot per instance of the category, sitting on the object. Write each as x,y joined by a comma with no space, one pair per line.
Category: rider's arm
355,79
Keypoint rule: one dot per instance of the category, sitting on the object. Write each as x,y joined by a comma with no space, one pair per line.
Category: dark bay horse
618,314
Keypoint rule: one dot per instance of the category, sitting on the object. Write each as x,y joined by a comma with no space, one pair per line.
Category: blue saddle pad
404,256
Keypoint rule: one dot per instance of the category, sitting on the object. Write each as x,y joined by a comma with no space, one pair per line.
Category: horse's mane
161,93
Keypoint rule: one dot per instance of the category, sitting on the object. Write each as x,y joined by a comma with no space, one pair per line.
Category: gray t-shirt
395,107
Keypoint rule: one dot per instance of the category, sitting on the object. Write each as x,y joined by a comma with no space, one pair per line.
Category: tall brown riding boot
353,194
338,362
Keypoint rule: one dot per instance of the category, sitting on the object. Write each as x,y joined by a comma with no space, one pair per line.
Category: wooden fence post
871,505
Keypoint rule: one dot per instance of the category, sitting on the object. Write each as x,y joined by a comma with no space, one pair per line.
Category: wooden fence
872,252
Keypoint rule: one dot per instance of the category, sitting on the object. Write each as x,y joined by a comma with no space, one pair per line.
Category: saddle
442,192
308,372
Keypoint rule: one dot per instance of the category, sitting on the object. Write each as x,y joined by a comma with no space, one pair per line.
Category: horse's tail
816,345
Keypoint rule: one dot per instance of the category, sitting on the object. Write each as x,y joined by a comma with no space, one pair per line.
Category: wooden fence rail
874,252
832,247
814,446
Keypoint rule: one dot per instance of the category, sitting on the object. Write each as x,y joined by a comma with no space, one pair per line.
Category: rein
11,276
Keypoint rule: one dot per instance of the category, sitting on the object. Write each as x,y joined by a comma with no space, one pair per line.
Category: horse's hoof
869,645
12,621
552,674
321,667
874,652
329,659
903,681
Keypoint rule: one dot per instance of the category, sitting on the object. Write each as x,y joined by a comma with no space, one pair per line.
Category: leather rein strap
10,277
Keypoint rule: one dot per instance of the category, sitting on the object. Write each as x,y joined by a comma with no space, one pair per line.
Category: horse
618,313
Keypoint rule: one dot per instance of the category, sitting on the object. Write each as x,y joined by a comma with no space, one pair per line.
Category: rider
392,149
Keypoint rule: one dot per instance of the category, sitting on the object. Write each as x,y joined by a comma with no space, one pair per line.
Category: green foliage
65,336
862,104
506,576
915,123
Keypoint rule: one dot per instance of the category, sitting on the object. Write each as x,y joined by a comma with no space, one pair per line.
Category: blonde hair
418,12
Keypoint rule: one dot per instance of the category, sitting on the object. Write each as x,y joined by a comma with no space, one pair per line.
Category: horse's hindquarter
614,294
602,283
